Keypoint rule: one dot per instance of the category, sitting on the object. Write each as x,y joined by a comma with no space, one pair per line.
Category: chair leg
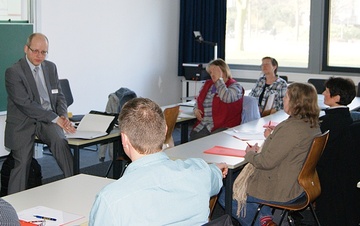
283,214
290,219
122,171
314,214
124,168
108,170
257,213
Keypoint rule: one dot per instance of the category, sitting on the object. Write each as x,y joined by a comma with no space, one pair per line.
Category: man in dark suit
36,106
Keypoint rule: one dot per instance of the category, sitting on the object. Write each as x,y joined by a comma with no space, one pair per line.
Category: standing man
155,190
36,106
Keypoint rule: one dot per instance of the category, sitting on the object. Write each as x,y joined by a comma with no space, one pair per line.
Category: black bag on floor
35,176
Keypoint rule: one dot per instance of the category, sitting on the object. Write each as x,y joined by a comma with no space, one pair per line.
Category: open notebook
92,126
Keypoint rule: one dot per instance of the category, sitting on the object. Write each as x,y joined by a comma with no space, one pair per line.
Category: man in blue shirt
155,190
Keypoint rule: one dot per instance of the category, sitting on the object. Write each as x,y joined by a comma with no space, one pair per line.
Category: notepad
219,150
92,126
62,218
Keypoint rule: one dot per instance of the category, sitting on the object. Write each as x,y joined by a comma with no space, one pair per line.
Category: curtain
208,17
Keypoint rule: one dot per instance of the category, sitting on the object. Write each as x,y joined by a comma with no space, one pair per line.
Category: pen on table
35,221
237,137
45,218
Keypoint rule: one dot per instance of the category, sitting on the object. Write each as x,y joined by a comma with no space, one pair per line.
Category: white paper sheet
62,218
246,135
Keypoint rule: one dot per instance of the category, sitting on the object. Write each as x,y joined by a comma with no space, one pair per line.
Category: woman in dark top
338,94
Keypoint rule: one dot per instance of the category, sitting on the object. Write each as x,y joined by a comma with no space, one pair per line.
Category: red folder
219,150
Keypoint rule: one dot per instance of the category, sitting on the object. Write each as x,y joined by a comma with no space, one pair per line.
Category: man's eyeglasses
36,51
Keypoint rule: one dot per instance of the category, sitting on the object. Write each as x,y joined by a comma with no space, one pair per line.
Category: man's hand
65,124
223,167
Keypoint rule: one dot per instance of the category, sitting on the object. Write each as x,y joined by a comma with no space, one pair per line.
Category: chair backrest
212,204
250,110
319,84
308,177
171,115
284,77
65,87
358,90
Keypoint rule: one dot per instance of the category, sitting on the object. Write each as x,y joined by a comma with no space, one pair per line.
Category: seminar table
196,148
74,195
77,144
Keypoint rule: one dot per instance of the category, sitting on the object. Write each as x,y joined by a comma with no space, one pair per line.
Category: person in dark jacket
338,94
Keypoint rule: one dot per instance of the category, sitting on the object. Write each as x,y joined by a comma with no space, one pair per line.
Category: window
303,35
14,10
343,49
274,28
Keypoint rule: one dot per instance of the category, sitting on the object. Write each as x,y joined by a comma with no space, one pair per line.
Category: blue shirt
155,190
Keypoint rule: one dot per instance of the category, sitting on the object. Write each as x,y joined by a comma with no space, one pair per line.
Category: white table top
74,194
195,149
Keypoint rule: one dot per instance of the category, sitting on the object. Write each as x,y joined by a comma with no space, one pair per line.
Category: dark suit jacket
337,167
24,108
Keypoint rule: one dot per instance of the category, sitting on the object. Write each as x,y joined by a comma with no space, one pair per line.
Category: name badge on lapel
54,91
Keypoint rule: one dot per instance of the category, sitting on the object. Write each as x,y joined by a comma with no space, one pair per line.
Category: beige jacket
280,161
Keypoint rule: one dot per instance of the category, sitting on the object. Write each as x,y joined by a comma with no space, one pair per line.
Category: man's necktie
44,96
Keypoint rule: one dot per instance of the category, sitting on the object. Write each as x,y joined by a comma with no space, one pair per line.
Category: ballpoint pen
237,137
250,146
45,218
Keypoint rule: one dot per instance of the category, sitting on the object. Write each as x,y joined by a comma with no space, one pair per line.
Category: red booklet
219,150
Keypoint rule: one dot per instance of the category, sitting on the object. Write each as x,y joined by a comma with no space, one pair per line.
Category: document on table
246,135
51,216
188,104
92,126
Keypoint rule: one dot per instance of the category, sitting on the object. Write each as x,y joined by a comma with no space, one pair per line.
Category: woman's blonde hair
223,66
303,102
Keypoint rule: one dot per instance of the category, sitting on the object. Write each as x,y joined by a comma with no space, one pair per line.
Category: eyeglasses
36,51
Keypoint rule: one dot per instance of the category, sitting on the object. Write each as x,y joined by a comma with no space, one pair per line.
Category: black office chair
358,90
284,77
65,87
319,84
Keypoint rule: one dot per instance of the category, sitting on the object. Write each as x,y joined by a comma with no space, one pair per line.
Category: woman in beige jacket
278,165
